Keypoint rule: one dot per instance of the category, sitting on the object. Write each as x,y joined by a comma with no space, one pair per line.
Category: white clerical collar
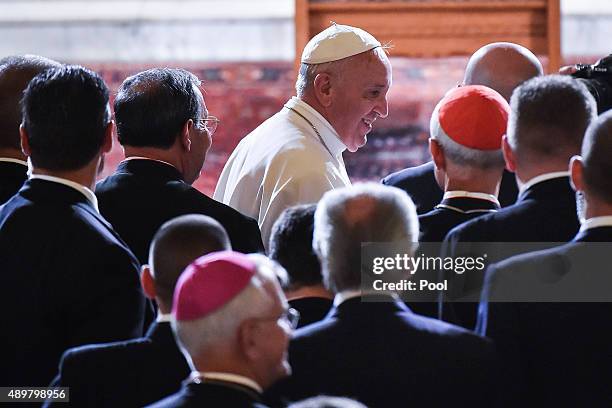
328,133
595,222
91,197
468,194
12,160
164,317
227,377
541,178
147,158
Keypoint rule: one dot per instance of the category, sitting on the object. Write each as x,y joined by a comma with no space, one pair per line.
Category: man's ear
576,168
437,154
185,135
509,155
108,137
249,333
323,89
25,143
147,281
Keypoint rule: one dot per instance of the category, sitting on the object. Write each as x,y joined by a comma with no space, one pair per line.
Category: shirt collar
468,194
12,160
147,158
228,377
328,133
542,177
163,317
91,197
596,222
345,295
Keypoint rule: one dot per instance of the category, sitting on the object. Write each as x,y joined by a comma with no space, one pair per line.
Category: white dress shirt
91,197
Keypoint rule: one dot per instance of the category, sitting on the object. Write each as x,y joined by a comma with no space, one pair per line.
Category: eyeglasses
209,124
289,315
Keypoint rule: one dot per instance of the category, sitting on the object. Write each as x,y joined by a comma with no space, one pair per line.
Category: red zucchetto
209,283
473,116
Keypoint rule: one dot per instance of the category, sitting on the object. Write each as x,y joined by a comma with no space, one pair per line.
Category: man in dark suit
371,347
467,127
166,131
500,66
15,73
542,136
138,372
291,246
233,321
558,354
68,279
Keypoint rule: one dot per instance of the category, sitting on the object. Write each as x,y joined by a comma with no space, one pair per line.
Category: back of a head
324,401
596,154
215,295
16,71
349,216
469,123
502,66
65,114
152,106
548,118
177,243
291,246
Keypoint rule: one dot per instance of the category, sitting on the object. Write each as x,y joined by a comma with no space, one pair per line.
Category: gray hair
549,115
324,401
308,72
459,154
349,216
201,335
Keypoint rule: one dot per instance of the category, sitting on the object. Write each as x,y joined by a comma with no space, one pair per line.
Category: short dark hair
291,246
549,115
596,154
16,71
65,114
152,106
177,243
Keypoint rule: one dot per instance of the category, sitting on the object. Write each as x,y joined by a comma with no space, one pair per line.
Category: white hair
347,217
200,335
459,154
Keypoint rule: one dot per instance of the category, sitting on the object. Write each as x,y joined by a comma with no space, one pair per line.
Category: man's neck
85,176
596,207
12,153
165,155
318,291
477,182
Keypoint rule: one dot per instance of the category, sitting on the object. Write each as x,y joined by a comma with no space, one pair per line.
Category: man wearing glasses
236,338
166,131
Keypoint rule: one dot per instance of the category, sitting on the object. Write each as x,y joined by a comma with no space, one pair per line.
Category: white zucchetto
338,42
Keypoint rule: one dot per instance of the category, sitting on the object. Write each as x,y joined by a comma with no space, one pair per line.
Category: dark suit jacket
544,216
420,183
12,177
385,356
554,354
128,374
143,194
212,394
453,211
67,280
312,309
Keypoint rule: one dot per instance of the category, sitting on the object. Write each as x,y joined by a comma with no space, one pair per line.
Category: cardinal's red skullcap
210,282
473,116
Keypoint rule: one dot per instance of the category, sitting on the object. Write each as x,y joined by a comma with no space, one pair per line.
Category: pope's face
359,97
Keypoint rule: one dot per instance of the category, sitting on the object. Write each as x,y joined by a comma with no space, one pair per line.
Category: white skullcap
338,42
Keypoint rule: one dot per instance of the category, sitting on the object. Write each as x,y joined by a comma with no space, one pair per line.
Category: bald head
502,66
177,243
16,71
596,153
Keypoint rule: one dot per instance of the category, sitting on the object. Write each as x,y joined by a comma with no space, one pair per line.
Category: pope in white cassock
296,156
